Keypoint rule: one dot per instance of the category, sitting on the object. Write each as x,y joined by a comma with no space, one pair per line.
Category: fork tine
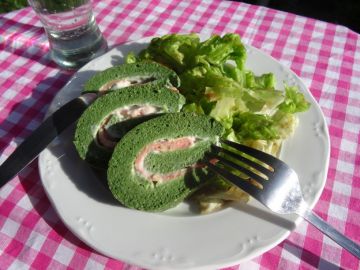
241,183
245,160
238,167
261,156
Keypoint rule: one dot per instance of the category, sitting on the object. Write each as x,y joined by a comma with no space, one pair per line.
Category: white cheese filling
109,139
162,146
125,82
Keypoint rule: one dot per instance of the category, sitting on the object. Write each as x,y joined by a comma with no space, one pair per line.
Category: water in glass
72,31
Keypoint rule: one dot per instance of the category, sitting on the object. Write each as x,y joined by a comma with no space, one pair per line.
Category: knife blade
41,137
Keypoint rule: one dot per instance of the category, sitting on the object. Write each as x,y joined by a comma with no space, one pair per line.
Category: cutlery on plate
273,183
41,137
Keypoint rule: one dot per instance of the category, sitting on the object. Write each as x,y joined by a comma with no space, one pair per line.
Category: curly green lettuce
214,81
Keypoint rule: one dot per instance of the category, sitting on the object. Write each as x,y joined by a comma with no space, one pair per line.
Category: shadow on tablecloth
309,257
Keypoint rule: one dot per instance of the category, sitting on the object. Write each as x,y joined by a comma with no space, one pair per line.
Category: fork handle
331,232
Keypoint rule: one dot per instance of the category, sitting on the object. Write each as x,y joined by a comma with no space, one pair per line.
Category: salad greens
215,81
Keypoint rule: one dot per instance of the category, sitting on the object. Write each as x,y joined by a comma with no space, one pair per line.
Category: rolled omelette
155,165
110,116
125,75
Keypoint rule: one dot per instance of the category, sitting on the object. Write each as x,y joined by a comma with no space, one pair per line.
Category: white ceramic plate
179,238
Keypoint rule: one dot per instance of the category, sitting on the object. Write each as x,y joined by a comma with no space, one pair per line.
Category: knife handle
31,147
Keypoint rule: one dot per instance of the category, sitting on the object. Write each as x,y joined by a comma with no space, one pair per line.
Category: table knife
38,140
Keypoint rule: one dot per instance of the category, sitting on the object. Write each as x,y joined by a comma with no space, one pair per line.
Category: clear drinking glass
72,31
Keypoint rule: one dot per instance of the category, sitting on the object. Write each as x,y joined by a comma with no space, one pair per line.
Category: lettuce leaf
254,126
214,81
264,81
294,101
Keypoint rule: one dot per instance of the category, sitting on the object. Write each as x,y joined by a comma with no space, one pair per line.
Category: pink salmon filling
162,146
105,139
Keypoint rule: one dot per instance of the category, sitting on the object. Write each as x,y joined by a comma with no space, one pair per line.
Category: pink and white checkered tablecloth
324,55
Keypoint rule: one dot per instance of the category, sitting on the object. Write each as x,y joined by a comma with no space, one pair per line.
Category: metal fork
272,182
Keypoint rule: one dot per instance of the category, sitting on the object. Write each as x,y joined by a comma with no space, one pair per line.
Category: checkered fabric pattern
324,55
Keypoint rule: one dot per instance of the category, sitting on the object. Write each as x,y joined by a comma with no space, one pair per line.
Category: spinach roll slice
110,116
156,165
125,75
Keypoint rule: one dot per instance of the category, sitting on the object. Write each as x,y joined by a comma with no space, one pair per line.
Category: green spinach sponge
154,166
125,75
110,116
